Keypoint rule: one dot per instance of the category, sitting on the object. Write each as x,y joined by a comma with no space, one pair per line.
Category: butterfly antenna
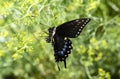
38,35
65,63
58,66
45,32
44,24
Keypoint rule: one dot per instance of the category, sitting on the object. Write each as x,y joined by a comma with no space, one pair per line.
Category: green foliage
24,53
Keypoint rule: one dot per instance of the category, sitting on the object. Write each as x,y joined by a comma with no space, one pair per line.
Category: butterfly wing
73,28
62,47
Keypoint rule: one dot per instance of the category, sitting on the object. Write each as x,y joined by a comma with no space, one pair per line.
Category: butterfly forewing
73,28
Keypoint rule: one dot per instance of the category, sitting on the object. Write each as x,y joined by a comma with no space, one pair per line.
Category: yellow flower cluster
102,74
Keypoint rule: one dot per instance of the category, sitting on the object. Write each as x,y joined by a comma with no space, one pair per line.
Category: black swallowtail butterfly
59,36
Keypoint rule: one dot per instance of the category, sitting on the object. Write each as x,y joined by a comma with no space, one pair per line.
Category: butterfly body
59,36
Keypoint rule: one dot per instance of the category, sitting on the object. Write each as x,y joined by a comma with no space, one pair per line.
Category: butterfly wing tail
58,66
65,63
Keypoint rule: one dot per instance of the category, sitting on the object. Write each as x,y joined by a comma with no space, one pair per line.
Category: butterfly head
51,34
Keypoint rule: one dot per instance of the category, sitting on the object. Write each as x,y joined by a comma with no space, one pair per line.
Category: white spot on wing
81,26
68,51
82,20
77,20
70,47
76,35
79,29
87,20
85,23
78,32
65,38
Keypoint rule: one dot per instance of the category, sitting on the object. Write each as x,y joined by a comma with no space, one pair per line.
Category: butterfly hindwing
62,47
73,28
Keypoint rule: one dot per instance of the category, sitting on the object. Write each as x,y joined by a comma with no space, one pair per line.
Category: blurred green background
24,53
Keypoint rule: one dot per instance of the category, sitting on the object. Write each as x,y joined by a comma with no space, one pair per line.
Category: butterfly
59,37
